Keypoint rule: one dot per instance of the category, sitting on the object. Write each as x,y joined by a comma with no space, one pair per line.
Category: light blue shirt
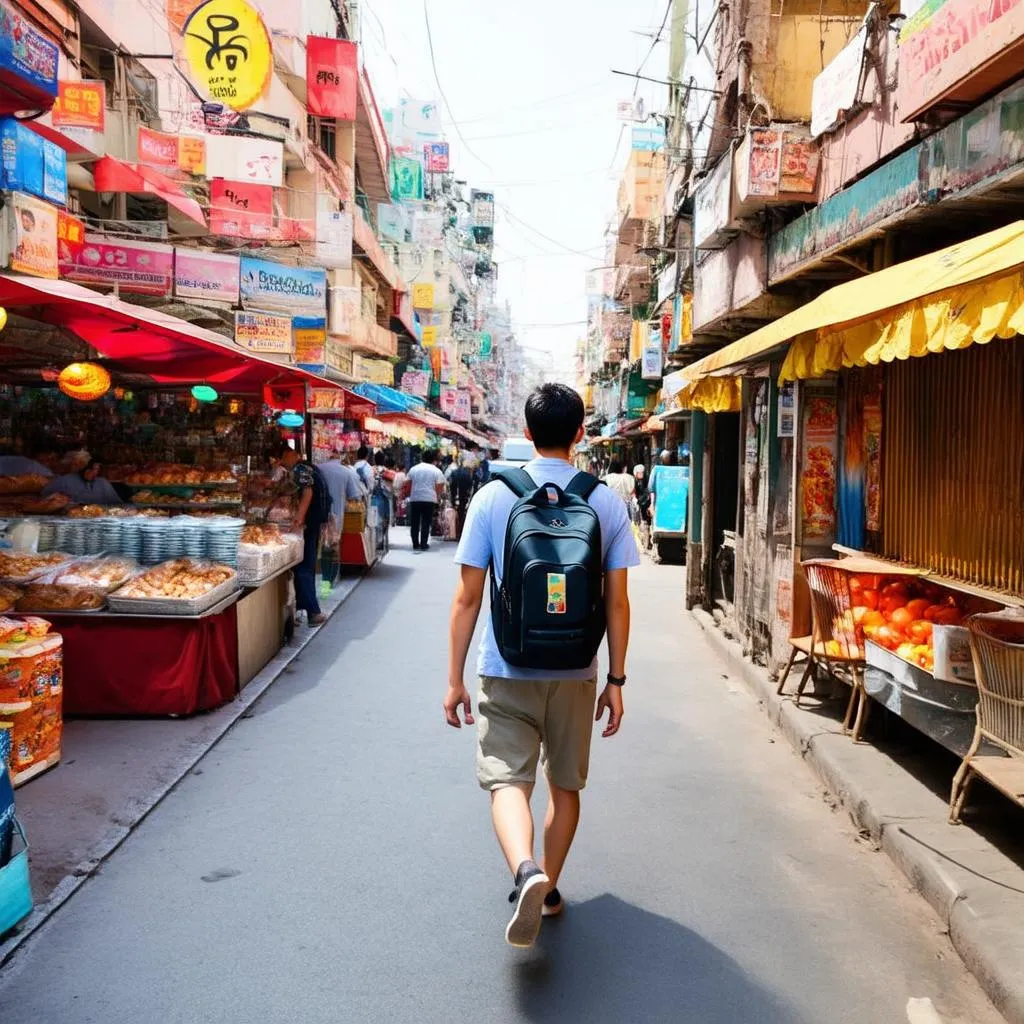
365,471
343,483
84,492
483,542
18,465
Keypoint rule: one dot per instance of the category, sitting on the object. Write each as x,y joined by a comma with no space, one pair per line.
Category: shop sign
334,238
263,332
241,210
80,105
192,154
423,296
391,222
957,50
463,407
836,90
141,267
429,336
848,216
776,163
482,209
344,310
375,371
786,418
729,280
651,359
208,276
33,236
339,356
267,285
239,158
309,337
446,399
712,206
416,382
25,53
225,48
406,179
31,163
332,78
486,345
158,149
428,229
326,400
818,463
436,156
70,237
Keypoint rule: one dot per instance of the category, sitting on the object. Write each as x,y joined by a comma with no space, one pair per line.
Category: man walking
425,484
363,468
460,490
311,515
525,711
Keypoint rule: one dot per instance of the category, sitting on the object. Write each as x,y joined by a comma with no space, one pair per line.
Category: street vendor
83,484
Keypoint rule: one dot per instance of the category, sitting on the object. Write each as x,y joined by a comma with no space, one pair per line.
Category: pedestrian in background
523,710
363,468
620,481
425,489
460,491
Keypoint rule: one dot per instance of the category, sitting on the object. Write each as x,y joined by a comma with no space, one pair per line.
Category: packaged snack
12,631
36,627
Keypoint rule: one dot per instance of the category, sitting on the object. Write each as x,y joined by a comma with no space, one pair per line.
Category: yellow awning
851,312
712,394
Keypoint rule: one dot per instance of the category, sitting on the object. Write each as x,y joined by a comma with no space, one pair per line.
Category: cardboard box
953,661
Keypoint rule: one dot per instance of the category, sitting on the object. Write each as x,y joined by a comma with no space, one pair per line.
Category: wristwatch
616,680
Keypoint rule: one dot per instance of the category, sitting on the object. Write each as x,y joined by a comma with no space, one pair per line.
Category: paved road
331,861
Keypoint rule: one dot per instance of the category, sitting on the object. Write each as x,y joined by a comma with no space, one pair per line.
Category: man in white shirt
621,482
425,485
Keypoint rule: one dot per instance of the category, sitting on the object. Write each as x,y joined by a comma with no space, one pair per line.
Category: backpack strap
518,481
582,485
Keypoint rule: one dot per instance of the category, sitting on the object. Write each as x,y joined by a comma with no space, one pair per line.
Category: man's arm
304,502
616,605
469,594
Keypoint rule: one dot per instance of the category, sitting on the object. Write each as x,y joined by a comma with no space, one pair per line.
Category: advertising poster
818,473
429,336
332,77
241,210
852,475
145,268
463,407
33,226
31,163
70,237
416,382
787,410
447,399
873,456
267,333
268,285
406,179
191,154
436,154
240,158
80,105
673,486
326,400
26,51
158,149
423,296
309,336
206,275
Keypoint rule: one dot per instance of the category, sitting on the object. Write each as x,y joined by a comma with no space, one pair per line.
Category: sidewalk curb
982,930
114,837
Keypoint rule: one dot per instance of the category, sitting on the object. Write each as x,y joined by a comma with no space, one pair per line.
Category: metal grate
953,476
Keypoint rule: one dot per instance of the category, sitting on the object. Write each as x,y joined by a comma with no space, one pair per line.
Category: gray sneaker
528,897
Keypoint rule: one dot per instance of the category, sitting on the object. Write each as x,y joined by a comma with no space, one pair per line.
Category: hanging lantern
290,420
3,318
204,393
49,374
235,406
84,381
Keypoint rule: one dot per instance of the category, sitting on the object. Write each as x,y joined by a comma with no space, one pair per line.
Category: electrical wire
589,254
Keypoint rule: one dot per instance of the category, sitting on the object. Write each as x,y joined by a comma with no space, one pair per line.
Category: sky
529,108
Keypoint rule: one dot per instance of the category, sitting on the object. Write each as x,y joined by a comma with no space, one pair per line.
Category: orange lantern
84,381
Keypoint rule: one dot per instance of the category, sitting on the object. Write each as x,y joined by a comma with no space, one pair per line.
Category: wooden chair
997,648
835,638
798,645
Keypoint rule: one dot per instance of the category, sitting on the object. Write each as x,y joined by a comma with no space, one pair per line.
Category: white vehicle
516,451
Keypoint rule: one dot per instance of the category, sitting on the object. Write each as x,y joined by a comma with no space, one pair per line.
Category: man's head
639,471
288,456
380,459
363,453
554,418
28,221
91,470
429,456
668,457
616,466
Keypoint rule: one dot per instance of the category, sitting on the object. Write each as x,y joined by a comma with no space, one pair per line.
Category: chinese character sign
332,78
226,50
80,105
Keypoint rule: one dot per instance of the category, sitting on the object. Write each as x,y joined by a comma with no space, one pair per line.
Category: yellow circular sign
227,49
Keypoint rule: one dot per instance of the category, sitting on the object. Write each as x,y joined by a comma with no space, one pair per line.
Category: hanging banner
225,49
70,237
463,407
416,382
33,236
206,275
268,285
241,210
238,158
647,140
309,340
818,468
873,455
157,149
26,53
192,154
263,332
436,156
391,222
80,105
486,345
651,358
482,209
334,238
429,336
332,78
31,163
141,267
423,296
406,179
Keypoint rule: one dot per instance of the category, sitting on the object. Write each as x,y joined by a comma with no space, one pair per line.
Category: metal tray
173,605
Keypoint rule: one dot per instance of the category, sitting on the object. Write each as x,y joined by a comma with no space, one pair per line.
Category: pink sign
463,407
206,275
158,149
142,267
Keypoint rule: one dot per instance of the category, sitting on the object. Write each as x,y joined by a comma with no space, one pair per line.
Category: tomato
871,631
888,637
890,604
869,598
859,611
948,617
895,589
932,610
874,619
901,618
866,581
917,607
920,630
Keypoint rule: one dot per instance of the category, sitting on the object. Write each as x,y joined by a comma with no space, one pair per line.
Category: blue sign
26,54
269,285
309,335
30,163
648,140
672,484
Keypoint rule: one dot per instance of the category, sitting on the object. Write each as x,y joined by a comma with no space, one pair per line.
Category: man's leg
513,822
559,829
426,522
305,573
414,523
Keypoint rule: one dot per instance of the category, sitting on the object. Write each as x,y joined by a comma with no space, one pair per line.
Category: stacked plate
131,538
193,533
155,541
47,535
93,536
113,535
223,534
75,544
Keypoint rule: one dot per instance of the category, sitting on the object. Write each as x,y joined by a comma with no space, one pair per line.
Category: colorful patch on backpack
556,593
552,495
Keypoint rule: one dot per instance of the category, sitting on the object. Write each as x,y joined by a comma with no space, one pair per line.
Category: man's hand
611,699
458,694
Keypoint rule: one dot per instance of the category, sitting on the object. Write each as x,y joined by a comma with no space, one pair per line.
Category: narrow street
331,861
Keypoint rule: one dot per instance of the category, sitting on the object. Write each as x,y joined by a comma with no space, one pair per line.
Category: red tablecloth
148,666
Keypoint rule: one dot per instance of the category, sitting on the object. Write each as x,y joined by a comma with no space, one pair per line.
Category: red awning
118,176
72,147
147,341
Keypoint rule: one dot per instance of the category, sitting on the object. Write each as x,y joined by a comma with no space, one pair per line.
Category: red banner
332,77
80,105
158,149
241,210
70,238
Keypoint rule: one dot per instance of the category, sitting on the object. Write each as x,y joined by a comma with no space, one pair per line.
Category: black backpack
548,612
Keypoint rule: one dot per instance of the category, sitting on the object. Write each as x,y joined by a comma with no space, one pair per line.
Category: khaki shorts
517,717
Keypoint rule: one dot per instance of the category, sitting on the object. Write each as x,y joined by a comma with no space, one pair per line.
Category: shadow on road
607,960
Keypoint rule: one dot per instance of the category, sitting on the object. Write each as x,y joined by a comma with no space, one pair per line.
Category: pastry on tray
182,580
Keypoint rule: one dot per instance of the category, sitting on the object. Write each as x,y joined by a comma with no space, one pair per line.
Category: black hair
363,452
429,456
554,414
380,459
616,466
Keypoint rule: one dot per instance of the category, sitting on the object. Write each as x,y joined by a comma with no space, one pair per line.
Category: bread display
180,579
46,506
171,475
58,597
100,573
19,565
266,535
23,483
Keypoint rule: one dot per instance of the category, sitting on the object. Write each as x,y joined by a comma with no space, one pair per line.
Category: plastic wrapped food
16,566
9,595
267,535
36,627
104,573
181,579
12,631
55,597
46,506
